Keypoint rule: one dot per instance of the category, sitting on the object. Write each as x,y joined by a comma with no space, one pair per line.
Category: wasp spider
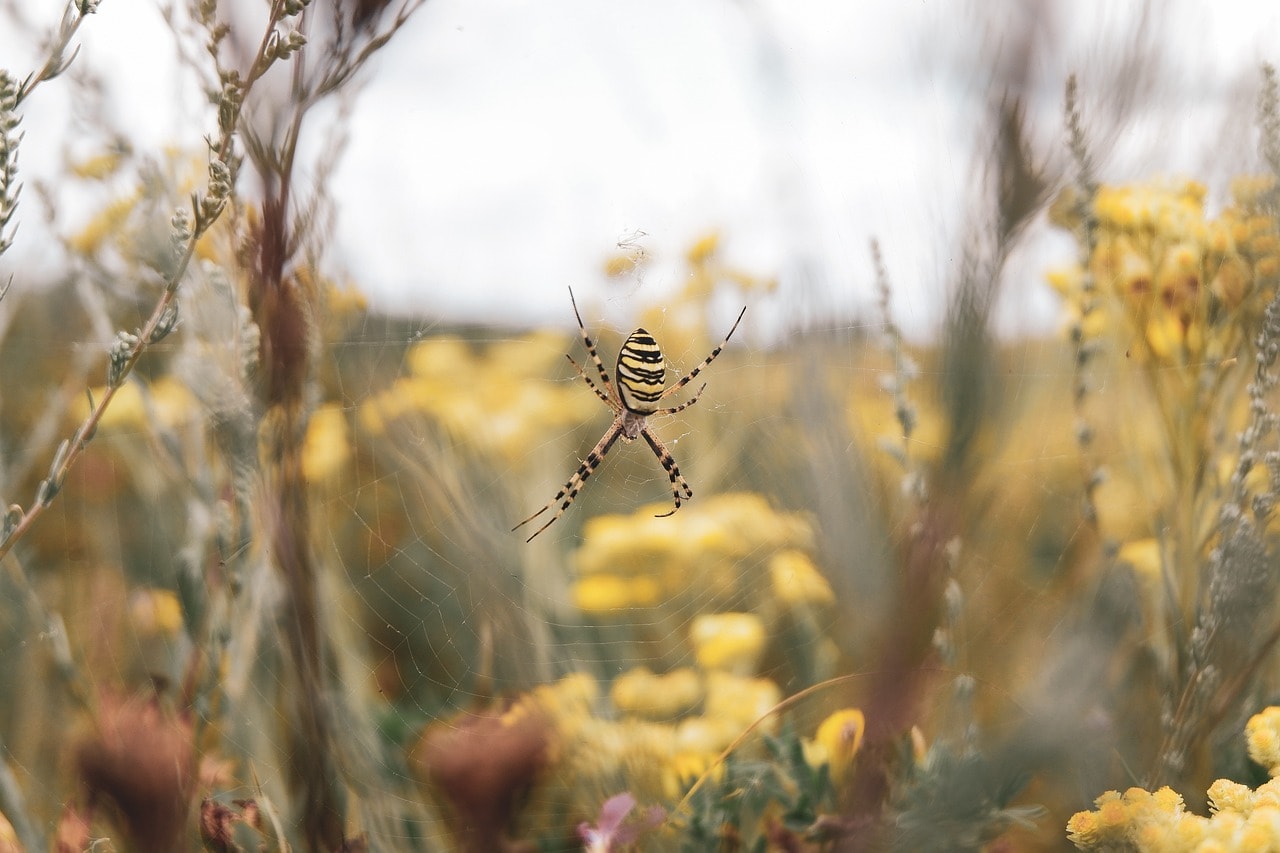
641,374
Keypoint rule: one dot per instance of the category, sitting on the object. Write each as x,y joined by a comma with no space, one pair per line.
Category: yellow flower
344,300
602,593
443,356
110,220
728,641
1130,274
796,580
1066,280
1267,267
1116,207
1260,226
1144,556
840,736
1178,281
684,768
1228,796
1262,829
1171,337
1167,800
1266,244
1232,282
166,399
533,357
1242,819
1113,817
624,263
155,612
1219,238
639,691
1190,830
740,701
327,448
1084,829
1267,795
706,735
703,249
1251,190
1262,734
100,166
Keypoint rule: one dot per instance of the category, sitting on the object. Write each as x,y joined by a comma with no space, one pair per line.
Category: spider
641,377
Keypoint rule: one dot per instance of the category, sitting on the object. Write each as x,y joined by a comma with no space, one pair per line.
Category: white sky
502,148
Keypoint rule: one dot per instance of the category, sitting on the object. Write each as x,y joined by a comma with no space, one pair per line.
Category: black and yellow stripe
642,373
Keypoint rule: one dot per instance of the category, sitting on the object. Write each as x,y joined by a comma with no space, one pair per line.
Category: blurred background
497,151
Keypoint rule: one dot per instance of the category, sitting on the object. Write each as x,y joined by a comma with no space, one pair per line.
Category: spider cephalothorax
642,373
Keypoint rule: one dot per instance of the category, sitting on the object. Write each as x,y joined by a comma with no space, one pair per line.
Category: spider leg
686,404
571,488
678,481
591,348
685,380
594,387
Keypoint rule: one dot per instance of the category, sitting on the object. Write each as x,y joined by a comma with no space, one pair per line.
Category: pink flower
610,835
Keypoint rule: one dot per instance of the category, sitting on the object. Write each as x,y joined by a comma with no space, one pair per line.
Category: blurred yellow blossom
493,397
1144,556
326,450
100,166
703,249
345,299
1252,190
155,612
134,405
608,593
728,641
590,749
699,549
740,700
641,692
110,221
706,735
837,740
683,770
629,258
797,581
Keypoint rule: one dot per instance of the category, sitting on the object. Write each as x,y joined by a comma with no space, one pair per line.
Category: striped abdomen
642,373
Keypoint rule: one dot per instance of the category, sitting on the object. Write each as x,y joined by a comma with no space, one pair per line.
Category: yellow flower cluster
1242,818
729,642
659,759
1179,280
166,402
326,450
492,397
1262,734
711,550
